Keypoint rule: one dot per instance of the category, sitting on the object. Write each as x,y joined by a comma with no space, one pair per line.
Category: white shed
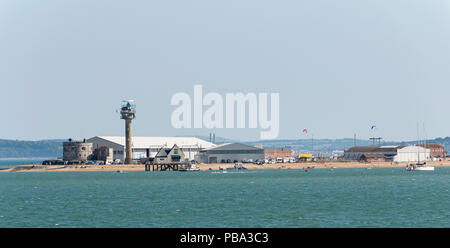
412,154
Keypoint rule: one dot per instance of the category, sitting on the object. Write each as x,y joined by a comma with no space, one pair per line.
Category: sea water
380,197
12,162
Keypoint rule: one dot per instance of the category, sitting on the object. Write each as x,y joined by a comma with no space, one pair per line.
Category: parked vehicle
258,162
117,161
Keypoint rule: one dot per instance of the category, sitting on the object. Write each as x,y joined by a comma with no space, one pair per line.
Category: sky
339,66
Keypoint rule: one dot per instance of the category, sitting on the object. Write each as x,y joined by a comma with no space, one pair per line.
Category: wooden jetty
165,166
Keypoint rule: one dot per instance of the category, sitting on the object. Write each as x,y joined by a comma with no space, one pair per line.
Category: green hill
30,149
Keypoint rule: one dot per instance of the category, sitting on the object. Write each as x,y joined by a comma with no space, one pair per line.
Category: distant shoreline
28,158
215,167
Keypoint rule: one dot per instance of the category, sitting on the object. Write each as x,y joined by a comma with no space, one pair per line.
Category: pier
165,166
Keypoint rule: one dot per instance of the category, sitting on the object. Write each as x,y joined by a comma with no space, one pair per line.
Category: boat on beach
192,167
237,167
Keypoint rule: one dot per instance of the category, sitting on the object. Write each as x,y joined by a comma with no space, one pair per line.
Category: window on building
176,158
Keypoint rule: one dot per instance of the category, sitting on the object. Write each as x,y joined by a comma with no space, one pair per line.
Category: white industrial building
412,154
144,147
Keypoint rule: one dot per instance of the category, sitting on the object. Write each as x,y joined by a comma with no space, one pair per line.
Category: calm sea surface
6,163
388,197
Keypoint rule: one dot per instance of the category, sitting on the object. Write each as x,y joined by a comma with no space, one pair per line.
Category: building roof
154,142
374,149
432,146
233,146
274,149
413,149
164,152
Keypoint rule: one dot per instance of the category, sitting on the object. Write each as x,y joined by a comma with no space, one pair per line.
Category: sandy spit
127,167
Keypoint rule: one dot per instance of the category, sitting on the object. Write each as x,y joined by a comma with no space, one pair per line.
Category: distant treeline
30,149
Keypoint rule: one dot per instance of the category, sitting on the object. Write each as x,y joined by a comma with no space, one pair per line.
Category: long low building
388,153
229,153
277,152
355,153
148,147
436,150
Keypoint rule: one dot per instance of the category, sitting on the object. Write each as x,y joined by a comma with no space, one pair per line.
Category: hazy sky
339,66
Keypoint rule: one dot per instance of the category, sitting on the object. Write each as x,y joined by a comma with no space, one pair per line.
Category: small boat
425,168
419,167
237,166
192,167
